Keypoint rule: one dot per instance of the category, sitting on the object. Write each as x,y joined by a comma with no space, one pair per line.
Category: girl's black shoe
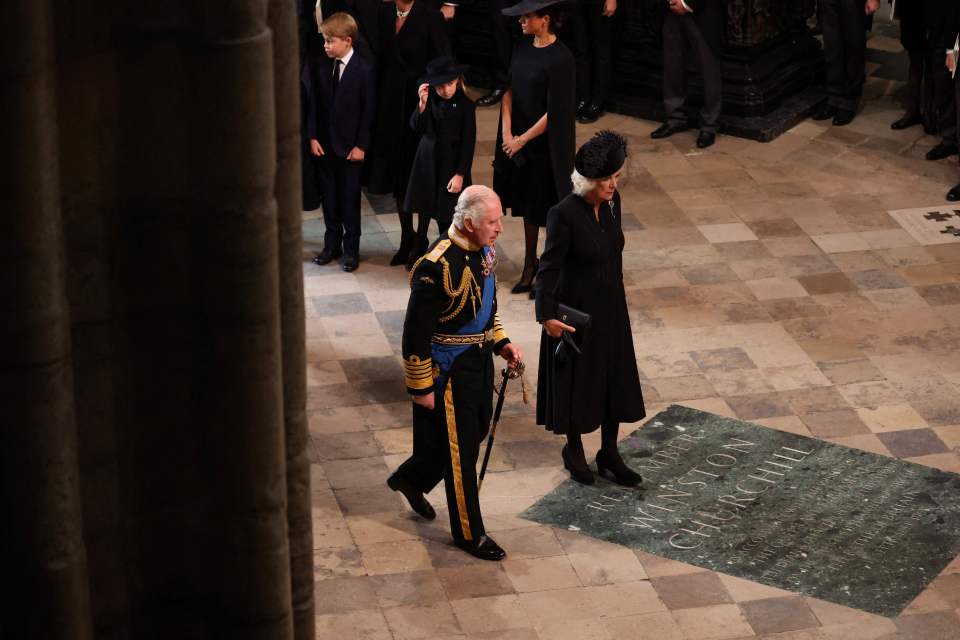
611,462
576,465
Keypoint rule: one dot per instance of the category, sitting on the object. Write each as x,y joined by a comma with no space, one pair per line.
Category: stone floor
766,282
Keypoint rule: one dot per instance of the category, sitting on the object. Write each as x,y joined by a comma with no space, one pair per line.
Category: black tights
608,438
531,234
423,226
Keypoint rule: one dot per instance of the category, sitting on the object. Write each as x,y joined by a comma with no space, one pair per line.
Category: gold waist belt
463,338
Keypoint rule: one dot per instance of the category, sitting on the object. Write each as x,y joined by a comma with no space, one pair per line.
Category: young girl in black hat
446,121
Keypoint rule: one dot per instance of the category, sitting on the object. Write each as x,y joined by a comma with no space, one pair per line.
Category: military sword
506,374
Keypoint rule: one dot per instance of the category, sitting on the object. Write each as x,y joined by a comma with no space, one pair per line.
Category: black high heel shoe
578,469
622,474
526,286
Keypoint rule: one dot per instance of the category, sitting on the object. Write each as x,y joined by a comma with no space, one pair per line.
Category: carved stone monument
840,524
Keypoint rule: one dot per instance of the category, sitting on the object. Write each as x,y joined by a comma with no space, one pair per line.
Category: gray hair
473,204
582,185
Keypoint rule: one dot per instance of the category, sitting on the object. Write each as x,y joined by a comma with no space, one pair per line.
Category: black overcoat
582,267
540,82
402,59
448,135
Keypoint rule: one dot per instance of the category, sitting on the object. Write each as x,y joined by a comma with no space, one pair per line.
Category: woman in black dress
411,34
582,267
536,138
445,118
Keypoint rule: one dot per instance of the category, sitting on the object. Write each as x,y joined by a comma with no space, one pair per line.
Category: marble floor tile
766,282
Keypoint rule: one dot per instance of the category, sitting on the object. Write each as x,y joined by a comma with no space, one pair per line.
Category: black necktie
337,65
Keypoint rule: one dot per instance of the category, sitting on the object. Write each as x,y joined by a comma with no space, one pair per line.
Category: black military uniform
447,310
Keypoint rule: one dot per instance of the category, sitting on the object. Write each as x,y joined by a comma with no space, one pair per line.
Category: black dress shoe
491,98
350,263
824,112
415,498
843,117
590,114
906,122
326,256
954,194
706,139
668,129
941,151
611,462
576,465
483,547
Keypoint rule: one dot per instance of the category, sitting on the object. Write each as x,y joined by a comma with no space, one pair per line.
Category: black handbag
567,345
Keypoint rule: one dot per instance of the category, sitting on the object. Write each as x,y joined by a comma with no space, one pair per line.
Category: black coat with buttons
582,267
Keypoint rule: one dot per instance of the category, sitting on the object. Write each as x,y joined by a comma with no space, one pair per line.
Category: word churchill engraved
793,512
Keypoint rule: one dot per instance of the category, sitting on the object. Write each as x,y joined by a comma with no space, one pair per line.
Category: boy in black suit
341,114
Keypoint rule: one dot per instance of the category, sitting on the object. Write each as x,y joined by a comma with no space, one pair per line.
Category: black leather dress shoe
491,98
484,548
667,129
941,151
706,139
416,499
906,122
824,112
350,263
843,117
590,114
954,194
326,257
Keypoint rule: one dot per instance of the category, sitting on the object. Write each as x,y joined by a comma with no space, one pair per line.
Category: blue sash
445,354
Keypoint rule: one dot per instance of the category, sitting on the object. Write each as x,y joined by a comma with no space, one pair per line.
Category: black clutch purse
568,346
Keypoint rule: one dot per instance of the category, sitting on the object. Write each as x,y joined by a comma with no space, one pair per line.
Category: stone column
152,327
41,542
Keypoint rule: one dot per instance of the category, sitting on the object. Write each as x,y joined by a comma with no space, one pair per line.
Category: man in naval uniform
449,335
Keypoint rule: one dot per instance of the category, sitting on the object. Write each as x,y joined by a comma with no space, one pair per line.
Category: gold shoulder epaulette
438,250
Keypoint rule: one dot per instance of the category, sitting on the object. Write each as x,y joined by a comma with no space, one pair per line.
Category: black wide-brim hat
441,70
524,7
601,156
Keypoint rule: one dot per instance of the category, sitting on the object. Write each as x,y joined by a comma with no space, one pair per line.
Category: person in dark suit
844,24
593,50
950,36
505,32
696,25
341,115
920,25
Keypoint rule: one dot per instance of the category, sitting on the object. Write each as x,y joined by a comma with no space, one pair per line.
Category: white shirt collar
345,60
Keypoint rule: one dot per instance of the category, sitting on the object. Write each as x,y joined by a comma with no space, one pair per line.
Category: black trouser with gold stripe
446,441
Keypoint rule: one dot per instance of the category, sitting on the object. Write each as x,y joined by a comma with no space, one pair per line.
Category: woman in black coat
593,382
446,121
411,34
536,138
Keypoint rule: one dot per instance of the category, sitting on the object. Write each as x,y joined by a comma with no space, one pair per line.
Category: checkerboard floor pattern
766,282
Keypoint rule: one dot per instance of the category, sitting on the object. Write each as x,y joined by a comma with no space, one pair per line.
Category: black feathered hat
601,156
442,69
524,7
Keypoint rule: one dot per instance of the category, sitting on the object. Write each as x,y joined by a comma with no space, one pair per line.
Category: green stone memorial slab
827,521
